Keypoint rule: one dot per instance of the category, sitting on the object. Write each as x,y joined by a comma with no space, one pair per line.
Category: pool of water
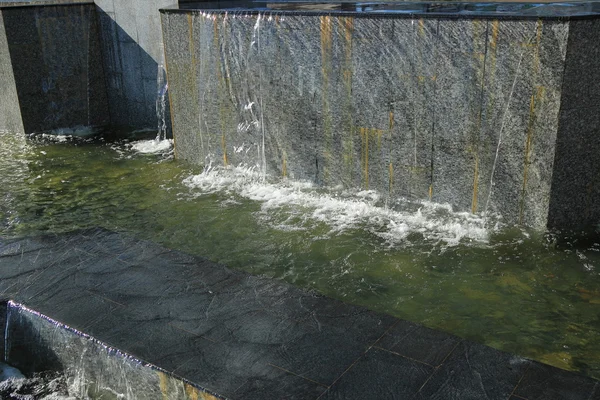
530,293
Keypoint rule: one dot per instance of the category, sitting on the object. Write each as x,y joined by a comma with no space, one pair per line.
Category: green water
512,289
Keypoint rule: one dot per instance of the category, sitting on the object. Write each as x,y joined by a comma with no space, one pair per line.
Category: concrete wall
132,47
56,69
463,111
10,117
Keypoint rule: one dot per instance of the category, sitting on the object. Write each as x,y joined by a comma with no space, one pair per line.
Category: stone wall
10,117
575,197
133,53
52,59
459,111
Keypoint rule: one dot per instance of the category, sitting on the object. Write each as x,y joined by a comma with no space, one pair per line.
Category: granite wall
51,68
459,111
133,55
575,196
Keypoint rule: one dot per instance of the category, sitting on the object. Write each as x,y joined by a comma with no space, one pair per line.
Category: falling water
160,144
263,158
500,135
161,99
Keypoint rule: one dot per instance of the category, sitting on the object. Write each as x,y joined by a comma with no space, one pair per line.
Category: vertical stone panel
59,78
180,33
10,117
543,124
413,120
461,50
292,95
132,51
510,81
575,197
373,95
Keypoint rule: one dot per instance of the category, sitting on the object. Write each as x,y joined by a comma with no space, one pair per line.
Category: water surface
526,292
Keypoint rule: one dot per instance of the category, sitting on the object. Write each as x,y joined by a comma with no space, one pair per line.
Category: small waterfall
6,333
263,156
502,126
160,144
161,99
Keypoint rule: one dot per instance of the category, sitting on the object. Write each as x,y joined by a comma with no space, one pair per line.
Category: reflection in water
510,288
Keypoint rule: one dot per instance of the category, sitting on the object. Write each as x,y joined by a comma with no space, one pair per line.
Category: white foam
152,146
76,131
290,205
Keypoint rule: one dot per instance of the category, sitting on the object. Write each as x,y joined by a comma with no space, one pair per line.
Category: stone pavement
250,337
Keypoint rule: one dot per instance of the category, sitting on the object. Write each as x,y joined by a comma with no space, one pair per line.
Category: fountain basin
196,330
490,107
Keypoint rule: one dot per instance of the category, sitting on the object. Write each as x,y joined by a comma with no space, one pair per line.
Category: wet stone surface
251,337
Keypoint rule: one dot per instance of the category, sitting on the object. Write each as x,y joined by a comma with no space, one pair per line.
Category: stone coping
459,9
37,3
251,337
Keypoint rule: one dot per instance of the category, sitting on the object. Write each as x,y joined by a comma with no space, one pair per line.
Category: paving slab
251,337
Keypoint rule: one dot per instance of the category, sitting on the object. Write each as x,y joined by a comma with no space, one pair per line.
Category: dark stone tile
277,384
381,375
419,343
543,382
475,371
240,370
324,346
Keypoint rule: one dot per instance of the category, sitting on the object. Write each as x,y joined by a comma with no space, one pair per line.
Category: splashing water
160,144
161,100
504,286
342,210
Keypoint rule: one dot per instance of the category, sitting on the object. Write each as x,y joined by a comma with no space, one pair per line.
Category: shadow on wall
132,75
27,348
55,56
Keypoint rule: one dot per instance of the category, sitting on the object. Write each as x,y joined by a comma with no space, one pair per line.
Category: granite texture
133,55
231,334
575,197
57,69
468,112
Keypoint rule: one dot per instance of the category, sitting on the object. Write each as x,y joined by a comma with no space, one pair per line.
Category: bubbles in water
293,205
152,146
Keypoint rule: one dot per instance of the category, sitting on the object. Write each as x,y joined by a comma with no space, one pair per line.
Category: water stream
518,290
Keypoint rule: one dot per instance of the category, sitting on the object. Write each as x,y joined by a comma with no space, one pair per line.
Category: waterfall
161,99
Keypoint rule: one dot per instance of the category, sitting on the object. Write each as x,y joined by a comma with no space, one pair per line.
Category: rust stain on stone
365,135
164,384
536,98
191,392
326,50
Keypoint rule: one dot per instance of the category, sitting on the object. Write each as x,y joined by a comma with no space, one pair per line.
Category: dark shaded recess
575,194
55,53
3,322
124,59
28,350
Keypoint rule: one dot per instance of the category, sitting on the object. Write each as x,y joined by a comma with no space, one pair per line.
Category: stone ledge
251,337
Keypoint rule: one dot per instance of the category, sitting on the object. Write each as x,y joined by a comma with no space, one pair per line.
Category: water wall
92,369
476,111
51,72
